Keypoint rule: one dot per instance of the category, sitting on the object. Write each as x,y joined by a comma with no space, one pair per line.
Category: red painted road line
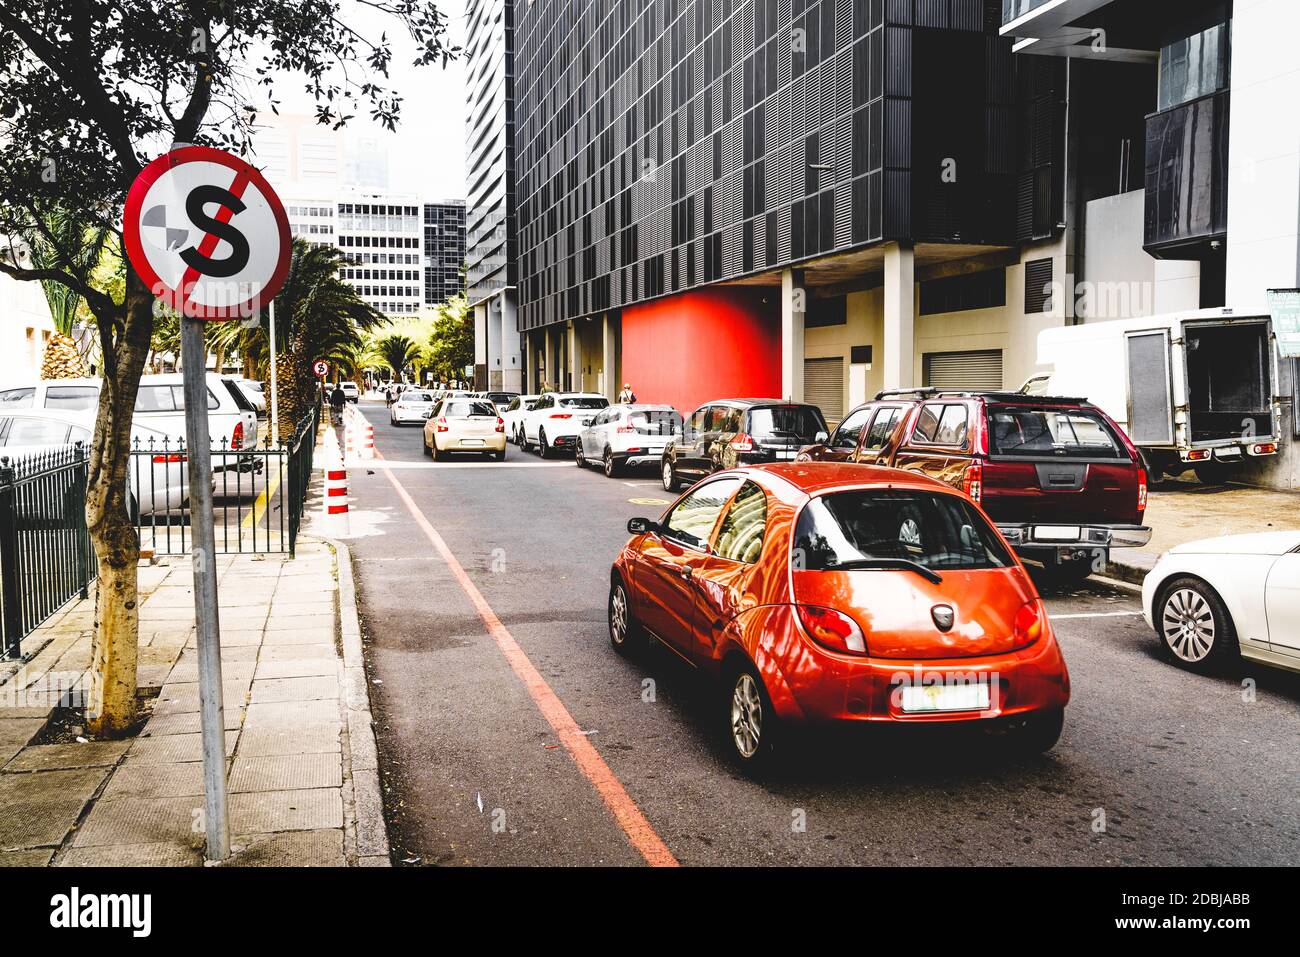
629,817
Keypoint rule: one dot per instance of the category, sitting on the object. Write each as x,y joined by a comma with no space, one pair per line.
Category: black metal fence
45,554
46,558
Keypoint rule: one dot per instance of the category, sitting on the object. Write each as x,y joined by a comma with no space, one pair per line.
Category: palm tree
318,315
398,352
65,242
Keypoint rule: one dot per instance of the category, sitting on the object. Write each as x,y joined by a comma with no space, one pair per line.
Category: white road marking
1096,614
389,464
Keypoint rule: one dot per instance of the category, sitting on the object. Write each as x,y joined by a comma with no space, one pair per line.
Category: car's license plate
1056,533
786,455
960,697
472,442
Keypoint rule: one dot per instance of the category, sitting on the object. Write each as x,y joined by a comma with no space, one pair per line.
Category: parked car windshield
933,529
1026,431
584,403
803,421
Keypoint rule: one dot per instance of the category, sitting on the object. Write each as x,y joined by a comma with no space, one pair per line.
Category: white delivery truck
1192,389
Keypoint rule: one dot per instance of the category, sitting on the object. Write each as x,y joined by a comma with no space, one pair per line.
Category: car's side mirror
640,526
820,438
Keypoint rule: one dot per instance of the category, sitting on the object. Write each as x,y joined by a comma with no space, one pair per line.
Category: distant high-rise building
490,205
444,250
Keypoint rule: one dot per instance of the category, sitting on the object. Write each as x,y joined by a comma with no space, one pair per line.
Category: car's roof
82,417
576,395
818,478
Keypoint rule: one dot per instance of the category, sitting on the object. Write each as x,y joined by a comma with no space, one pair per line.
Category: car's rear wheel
543,449
750,723
523,439
670,481
624,632
438,454
424,438
1194,625
579,459
610,464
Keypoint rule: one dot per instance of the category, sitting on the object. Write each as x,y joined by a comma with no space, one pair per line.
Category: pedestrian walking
337,401
627,395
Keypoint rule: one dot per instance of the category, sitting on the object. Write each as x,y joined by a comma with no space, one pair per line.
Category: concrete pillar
512,360
609,358
794,305
482,336
899,359
574,367
547,372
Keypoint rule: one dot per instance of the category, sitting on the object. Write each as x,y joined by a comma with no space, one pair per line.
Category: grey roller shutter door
963,371
823,386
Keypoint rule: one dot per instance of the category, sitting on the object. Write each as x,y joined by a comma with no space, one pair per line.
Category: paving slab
266,811
160,854
295,689
187,722
299,636
317,848
14,735
137,820
287,772
287,652
37,858
43,822
295,714
296,668
144,779
310,740
49,757
174,748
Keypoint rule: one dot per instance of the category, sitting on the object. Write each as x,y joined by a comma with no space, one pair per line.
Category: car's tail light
442,424
972,481
1027,626
561,415
501,424
170,457
832,629
742,443
237,437
626,429
1142,490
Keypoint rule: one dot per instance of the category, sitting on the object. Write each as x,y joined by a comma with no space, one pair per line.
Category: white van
159,405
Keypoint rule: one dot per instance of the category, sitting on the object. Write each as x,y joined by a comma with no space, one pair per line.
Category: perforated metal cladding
661,144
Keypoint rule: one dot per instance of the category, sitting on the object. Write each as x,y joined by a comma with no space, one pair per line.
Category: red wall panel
708,344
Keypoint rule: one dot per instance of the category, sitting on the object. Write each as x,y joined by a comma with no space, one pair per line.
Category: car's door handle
687,571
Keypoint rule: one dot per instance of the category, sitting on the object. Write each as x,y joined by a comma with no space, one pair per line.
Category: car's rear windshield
584,403
783,421
1035,432
934,529
463,409
655,421
500,397
416,397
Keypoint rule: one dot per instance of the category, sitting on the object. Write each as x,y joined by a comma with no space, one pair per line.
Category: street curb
365,833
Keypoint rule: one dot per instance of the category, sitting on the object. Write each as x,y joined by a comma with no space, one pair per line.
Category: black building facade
444,251
665,145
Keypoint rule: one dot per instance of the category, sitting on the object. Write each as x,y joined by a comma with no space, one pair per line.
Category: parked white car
465,425
254,392
159,481
413,405
627,435
1210,599
351,392
556,418
159,405
514,417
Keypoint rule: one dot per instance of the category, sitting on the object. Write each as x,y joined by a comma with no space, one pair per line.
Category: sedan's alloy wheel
746,715
618,616
1188,625
609,464
668,477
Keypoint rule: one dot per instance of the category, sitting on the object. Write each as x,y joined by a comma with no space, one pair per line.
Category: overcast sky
426,155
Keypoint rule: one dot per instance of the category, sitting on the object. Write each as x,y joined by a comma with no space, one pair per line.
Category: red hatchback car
841,593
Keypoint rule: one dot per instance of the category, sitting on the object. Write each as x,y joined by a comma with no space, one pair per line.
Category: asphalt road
1156,765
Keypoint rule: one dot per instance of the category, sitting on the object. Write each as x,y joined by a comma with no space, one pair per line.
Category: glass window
584,402
882,427
934,529
1194,66
34,431
846,436
1052,432
17,398
463,410
741,537
155,398
692,521
952,426
655,421
927,423
800,421
77,397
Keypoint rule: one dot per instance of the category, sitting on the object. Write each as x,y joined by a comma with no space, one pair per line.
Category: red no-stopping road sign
207,233
320,367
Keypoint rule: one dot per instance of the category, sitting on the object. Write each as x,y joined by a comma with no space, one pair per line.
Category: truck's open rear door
1150,394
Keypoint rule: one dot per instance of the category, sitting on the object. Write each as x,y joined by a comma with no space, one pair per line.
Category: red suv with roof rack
1060,479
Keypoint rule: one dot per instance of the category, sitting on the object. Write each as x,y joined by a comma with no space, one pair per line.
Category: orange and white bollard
335,503
368,444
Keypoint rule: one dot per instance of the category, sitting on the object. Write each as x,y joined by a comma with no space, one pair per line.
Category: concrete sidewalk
302,765
1186,510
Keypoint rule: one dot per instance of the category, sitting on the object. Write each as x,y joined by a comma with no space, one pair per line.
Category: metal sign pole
207,627
275,391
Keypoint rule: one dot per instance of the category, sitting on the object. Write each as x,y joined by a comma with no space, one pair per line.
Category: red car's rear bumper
807,682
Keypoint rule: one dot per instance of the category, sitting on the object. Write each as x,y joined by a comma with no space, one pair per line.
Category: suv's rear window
655,421
584,403
464,408
1056,433
802,421
930,528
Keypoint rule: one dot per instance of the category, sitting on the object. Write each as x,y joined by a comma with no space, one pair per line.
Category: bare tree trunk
112,706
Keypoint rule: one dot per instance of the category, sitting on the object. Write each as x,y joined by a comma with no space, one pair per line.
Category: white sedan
1210,599
514,416
413,405
627,435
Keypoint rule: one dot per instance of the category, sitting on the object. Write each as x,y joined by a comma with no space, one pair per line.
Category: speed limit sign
321,368
207,234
